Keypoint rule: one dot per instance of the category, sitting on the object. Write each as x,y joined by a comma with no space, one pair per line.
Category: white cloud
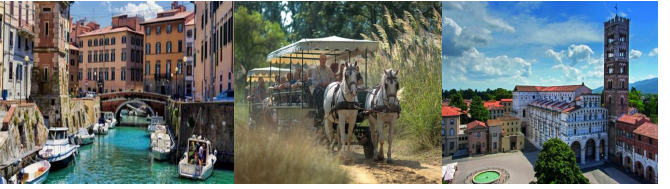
635,54
148,10
498,23
653,52
571,73
579,53
473,65
533,30
106,4
558,56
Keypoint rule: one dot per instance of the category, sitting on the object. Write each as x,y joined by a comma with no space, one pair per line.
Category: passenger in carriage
359,83
321,78
338,75
258,93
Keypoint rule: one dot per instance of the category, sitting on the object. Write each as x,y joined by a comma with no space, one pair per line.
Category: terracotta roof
107,30
578,98
450,111
191,22
633,120
176,16
494,122
492,104
72,47
476,124
508,118
506,100
647,129
564,88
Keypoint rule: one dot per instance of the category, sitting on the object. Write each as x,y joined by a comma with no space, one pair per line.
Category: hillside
649,86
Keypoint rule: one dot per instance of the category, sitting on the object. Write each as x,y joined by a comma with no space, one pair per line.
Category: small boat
84,137
190,165
155,120
161,143
2,180
109,118
57,150
35,173
101,128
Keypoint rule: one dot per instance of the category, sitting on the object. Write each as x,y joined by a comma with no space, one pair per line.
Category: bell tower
616,66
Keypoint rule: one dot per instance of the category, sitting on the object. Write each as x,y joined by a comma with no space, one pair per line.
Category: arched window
95,42
113,40
123,39
89,42
610,100
100,41
158,47
622,84
148,48
168,47
158,67
609,84
622,100
524,112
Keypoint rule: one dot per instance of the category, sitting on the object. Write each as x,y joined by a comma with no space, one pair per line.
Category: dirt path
401,170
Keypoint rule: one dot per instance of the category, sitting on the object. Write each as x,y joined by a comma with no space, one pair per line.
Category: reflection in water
124,156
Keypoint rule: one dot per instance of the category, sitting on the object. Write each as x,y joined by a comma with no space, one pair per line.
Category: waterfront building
615,78
2,46
637,146
189,81
214,48
49,82
494,136
112,57
81,27
571,113
18,41
72,70
75,68
450,130
477,135
164,46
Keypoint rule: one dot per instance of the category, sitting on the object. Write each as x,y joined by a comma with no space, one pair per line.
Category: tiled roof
564,88
448,111
176,16
629,119
191,22
507,118
107,30
475,124
72,47
494,122
647,129
506,100
492,105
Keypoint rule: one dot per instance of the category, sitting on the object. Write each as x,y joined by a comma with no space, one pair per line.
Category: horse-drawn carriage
292,105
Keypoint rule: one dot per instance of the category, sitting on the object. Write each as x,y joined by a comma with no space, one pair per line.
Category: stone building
112,57
49,77
22,131
190,48
637,146
18,37
494,136
214,48
570,113
164,50
512,138
450,130
615,78
477,138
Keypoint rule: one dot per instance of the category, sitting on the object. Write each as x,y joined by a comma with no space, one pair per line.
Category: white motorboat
109,118
57,150
84,137
161,143
35,173
192,165
155,120
101,128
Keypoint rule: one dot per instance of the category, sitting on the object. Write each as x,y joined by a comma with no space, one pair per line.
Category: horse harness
384,108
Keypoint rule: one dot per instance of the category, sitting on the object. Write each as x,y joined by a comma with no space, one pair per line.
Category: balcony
26,29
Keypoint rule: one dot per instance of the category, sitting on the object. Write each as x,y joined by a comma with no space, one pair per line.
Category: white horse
341,106
384,104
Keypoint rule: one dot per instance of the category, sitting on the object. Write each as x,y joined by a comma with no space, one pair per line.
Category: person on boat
201,156
321,78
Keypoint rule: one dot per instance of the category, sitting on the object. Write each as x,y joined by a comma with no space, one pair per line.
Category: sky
103,11
503,44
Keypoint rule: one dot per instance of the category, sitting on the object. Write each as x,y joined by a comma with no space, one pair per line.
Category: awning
307,51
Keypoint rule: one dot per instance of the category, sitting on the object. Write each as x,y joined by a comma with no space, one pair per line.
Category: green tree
477,109
635,101
652,108
456,100
557,164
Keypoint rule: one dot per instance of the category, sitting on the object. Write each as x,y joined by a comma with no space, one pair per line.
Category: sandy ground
403,169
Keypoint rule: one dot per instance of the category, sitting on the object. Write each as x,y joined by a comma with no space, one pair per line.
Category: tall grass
267,156
417,54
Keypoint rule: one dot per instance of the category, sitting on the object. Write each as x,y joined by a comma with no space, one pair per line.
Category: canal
123,156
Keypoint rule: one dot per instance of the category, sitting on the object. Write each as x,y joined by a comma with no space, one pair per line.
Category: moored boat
84,137
198,161
109,118
155,120
57,150
161,143
35,173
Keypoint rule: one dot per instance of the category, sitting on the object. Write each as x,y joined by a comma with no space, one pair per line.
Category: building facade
189,83
450,130
18,37
164,39
570,113
512,137
615,78
49,77
477,138
637,146
112,57
214,49
494,136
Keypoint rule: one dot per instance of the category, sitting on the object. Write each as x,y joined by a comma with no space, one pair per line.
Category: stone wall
212,120
22,133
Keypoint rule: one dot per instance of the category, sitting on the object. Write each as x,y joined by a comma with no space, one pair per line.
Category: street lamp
27,59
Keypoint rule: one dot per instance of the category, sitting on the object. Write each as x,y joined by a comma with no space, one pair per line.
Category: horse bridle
395,95
346,75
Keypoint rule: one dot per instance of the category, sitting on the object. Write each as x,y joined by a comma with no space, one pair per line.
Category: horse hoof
389,160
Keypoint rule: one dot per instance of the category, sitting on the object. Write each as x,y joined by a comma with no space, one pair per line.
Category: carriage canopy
307,51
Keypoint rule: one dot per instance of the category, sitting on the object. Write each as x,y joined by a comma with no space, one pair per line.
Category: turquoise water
123,156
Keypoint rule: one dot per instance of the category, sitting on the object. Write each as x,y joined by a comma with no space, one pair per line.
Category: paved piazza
520,167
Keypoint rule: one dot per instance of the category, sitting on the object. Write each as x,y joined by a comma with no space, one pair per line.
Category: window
158,67
89,42
158,30
495,144
147,68
100,56
89,56
179,43
81,58
167,69
46,29
88,74
11,35
113,74
147,29
95,56
158,48
101,42
451,132
179,67
123,74
11,68
479,134
123,39
106,41
46,74
180,28
451,121
189,33
451,145
168,47
148,48
113,40
95,42
168,29
18,41
106,56
113,56
123,54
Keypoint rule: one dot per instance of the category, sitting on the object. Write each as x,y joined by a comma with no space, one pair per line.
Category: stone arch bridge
114,102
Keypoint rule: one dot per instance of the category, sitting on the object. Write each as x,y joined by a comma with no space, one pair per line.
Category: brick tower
615,92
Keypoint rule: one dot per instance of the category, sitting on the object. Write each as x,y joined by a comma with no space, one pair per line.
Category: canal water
123,156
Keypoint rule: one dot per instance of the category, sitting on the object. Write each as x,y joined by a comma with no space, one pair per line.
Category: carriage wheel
365,139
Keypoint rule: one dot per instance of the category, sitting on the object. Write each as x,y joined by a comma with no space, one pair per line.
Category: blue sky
103,11
503,44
